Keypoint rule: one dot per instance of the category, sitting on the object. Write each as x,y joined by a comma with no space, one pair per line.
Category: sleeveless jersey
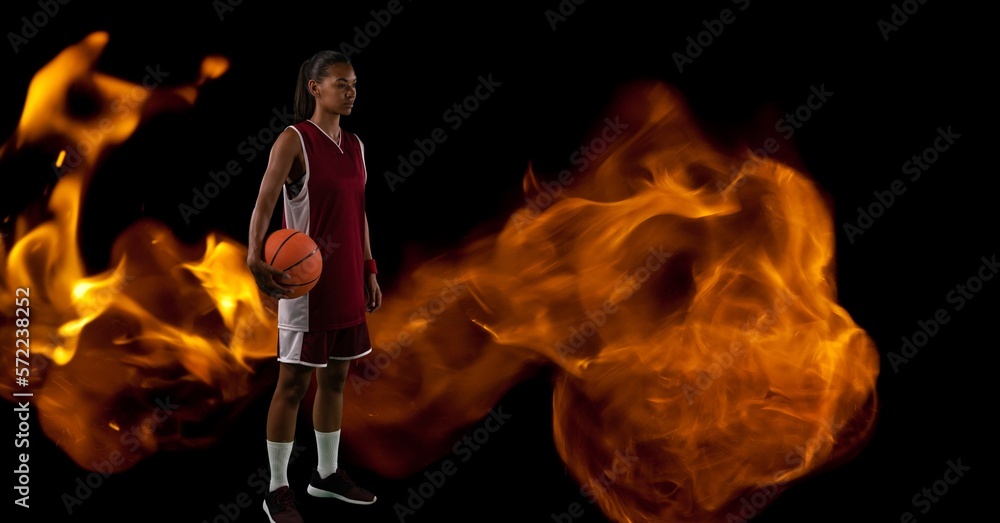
330,208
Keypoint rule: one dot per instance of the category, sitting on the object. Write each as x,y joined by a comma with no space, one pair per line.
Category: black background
890,99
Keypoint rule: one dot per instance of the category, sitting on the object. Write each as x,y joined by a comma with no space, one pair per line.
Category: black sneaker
280,506
338,485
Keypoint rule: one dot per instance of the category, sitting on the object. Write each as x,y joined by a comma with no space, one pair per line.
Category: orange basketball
297,254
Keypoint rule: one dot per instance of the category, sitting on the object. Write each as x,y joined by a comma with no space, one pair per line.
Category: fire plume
143,356
701,359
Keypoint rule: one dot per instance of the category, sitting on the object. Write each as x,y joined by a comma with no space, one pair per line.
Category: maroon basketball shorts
316,348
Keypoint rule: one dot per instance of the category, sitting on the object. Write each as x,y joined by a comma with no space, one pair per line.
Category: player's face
337,91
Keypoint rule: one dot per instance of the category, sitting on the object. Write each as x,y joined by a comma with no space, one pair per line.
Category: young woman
318,169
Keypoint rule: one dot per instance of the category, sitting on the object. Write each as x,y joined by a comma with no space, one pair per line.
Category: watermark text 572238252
22,371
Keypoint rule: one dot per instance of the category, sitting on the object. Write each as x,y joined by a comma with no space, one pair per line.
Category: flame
700,355
137,358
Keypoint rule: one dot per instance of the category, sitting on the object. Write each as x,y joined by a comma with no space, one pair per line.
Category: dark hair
314,68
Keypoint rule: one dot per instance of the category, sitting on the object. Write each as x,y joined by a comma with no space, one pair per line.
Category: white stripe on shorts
290,348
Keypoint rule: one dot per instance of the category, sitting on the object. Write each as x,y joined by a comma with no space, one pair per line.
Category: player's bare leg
330,480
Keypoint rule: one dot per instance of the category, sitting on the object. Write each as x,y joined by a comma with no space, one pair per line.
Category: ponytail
305,103
314,68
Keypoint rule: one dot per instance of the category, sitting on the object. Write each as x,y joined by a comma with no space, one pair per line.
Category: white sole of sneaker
268,512
317,493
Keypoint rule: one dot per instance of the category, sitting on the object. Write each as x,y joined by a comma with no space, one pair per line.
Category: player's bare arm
283,160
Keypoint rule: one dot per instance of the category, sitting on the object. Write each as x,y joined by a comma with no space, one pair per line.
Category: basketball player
318,169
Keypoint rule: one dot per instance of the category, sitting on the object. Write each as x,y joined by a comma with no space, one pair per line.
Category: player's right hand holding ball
265,275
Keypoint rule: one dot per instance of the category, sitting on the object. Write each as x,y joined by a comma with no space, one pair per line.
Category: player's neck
330,123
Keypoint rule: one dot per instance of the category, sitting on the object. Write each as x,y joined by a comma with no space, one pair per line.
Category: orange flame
701,353
136,358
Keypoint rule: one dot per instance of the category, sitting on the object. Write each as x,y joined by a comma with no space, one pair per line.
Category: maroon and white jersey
329,206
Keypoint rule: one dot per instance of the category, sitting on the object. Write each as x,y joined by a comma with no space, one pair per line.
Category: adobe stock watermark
788,125
463,450
31,24
581,158
957,297
364,34
725,360
224,7
90,300
751,504
259,482
74,155
455,115
131,439
623,462
928,496
714,28
624,289
899,15
915,167
218,180
566,8
419,319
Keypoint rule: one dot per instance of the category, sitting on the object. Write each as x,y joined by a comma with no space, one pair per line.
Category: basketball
294,252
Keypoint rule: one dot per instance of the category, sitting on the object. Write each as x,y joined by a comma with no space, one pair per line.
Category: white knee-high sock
278,455
327,447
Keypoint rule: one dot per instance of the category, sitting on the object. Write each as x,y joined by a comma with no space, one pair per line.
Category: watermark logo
916,166
900,15
455,115
714,28
463,449
31,24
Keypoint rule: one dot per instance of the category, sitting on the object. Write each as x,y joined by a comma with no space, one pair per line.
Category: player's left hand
373,295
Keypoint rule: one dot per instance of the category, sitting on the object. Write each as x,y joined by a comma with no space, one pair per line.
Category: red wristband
370,267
